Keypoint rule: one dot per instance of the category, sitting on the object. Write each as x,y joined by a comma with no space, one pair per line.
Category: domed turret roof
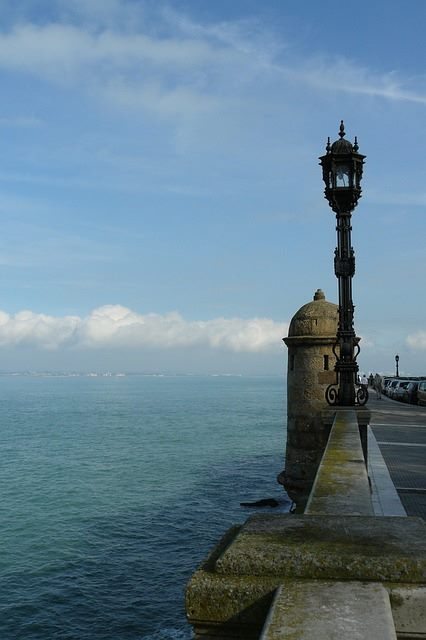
316,318
342,146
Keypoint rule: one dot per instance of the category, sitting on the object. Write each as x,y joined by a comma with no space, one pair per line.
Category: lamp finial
342,129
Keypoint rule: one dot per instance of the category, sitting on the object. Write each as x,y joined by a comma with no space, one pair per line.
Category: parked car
421,393
386,383
401,387
391,387
410,392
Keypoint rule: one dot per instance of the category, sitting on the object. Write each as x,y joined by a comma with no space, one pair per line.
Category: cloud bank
115,326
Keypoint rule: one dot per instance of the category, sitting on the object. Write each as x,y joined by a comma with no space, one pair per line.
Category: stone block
387,549
330,611
409,610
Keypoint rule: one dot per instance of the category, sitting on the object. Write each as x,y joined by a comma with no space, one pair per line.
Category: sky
161,201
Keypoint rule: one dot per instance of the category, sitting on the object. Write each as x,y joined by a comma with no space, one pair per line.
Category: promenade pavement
400,431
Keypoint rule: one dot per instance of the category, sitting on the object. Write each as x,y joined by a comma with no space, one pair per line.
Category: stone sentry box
311,362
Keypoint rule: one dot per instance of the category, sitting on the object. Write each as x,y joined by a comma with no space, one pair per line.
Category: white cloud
337,73
417,340
169,76
344,75
186,69
55,49
36,329
117,326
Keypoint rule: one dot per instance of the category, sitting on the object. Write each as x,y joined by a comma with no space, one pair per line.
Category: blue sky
160,195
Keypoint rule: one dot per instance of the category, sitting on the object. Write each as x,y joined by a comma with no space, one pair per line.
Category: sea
114,488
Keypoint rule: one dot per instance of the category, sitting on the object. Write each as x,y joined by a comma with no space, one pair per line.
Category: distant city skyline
160,195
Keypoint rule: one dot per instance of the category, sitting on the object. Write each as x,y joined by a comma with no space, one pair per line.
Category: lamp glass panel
342,176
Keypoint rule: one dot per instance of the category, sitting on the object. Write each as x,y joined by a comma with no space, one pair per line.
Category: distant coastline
112,374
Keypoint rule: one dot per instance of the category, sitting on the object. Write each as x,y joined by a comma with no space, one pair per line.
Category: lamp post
342,172
397,362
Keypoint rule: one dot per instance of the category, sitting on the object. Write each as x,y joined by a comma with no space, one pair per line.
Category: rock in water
266,502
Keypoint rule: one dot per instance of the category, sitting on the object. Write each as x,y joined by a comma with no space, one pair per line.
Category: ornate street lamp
342,172
397,362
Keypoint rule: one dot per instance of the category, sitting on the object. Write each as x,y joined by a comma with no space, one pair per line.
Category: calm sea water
114,489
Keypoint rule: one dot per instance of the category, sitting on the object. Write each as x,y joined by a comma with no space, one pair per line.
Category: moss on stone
343,548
